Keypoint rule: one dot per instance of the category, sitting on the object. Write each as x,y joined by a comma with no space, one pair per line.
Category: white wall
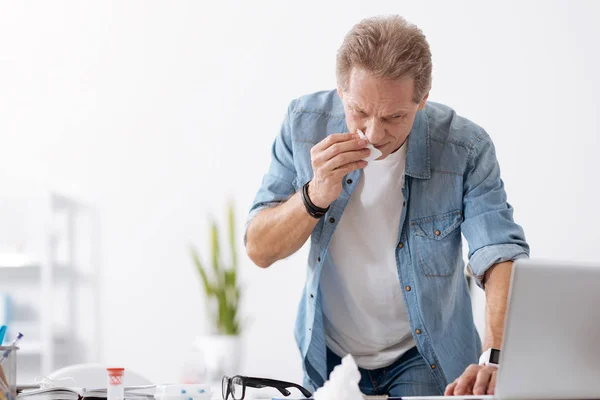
158,111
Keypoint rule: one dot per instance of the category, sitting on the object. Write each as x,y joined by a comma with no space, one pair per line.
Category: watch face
495,356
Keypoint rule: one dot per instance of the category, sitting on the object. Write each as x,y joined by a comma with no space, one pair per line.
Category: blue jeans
409,375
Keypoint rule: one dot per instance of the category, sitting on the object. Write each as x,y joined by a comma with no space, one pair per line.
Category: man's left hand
476,380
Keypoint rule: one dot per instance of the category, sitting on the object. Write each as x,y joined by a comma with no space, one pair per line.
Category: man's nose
375,132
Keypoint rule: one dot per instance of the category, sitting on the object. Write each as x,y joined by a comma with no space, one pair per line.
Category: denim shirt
452,187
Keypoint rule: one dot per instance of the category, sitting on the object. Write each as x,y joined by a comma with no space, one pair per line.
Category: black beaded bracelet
313,211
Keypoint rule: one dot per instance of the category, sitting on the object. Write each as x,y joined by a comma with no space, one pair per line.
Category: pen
7,351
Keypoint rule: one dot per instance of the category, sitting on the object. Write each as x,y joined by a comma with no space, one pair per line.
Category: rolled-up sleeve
489,227
278,184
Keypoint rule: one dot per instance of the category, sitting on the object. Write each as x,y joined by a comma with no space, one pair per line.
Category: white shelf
30,348
47,254
33,271
35,348
16,260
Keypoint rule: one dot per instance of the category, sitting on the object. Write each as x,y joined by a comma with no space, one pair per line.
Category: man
385,278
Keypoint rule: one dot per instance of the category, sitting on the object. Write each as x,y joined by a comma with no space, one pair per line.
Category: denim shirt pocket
437,243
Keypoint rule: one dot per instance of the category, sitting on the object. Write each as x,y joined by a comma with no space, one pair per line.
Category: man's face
383,109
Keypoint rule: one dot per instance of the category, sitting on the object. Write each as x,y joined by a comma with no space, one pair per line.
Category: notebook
75,393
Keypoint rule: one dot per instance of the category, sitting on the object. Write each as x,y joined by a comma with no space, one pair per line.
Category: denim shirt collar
418,148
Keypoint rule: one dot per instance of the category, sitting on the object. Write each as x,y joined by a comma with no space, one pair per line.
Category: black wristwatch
313,211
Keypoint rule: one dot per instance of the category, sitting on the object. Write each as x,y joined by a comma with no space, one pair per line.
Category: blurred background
126,127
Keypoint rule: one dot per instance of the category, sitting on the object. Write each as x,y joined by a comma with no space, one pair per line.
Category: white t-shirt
363,307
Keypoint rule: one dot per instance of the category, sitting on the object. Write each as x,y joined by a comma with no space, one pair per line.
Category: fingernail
362,142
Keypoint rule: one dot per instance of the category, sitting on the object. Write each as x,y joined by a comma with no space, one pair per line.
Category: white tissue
342,383
375,153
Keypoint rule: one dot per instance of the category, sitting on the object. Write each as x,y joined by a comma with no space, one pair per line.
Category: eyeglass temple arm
281,384
261,383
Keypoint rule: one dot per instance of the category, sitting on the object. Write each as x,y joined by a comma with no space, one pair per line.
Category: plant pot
222,355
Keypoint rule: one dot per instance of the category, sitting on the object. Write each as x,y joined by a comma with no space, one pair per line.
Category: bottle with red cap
115,389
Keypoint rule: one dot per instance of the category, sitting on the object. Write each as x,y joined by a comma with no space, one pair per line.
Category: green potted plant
221,348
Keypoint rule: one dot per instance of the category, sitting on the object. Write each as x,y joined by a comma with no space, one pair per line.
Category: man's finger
492,385
483,380
334,138
345,158
346,169
450,388
466,380
342,147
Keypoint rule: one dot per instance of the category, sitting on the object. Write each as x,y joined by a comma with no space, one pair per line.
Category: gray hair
387,47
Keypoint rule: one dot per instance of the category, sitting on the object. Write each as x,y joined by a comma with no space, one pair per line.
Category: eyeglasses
236,386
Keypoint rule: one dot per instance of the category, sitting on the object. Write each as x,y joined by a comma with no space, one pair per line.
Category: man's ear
423,102
340,92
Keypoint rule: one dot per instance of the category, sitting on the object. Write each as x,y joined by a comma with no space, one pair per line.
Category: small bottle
115,390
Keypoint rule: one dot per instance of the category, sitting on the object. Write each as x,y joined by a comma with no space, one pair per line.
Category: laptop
551,346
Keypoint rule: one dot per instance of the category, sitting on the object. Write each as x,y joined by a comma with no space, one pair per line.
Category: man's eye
397,116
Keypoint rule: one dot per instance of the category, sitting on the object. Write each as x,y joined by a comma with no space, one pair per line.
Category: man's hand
476,380
333,158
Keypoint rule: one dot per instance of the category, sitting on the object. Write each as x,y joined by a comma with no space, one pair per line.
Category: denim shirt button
400,245
331,219
418,331
408,288
349,181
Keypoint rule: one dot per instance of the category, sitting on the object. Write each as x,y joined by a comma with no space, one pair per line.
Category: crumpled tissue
375,153
342,383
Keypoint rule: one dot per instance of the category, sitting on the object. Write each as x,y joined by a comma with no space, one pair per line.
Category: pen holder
8,373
